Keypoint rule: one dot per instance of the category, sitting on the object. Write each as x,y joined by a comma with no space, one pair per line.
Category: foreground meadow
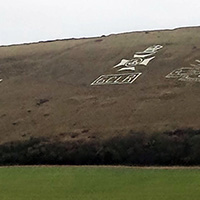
98,183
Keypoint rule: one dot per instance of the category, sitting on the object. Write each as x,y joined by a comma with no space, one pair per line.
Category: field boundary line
103,166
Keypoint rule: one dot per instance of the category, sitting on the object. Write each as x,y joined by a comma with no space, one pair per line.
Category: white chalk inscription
139,58
191,74
111,79
185,74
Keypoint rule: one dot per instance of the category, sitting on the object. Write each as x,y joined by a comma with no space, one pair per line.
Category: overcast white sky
35,20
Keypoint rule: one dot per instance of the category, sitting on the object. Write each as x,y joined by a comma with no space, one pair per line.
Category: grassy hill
46,89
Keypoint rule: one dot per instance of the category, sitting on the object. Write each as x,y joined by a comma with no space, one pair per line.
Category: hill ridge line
96,37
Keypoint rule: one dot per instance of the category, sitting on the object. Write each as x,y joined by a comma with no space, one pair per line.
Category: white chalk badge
111,79
139,58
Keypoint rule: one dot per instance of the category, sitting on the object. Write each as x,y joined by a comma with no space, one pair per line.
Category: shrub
180,147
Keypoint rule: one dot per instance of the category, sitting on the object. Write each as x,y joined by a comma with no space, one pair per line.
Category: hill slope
46,87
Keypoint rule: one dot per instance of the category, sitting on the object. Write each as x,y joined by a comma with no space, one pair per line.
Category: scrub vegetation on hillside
181,147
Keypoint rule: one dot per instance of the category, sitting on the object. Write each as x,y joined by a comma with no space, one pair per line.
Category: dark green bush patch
180,147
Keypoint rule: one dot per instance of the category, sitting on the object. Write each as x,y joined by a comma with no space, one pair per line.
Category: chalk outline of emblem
186,76
137,74
139,58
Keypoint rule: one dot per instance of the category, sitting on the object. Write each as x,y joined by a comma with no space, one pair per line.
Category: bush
181,147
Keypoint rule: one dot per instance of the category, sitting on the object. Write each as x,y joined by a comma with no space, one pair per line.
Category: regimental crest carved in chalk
139,59
191,73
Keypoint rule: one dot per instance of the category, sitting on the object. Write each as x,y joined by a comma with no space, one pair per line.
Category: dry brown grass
62,71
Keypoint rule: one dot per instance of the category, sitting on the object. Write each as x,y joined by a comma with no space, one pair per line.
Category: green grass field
89,183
